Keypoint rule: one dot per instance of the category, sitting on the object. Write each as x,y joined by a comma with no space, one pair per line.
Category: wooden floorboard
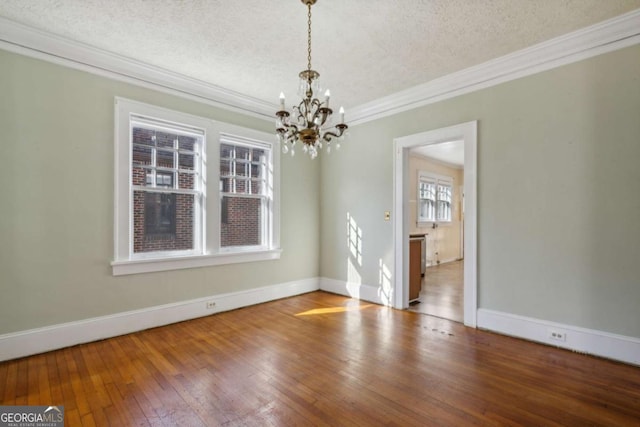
322,359
442,292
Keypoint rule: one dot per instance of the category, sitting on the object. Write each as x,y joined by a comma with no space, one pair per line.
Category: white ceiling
363,49
451,152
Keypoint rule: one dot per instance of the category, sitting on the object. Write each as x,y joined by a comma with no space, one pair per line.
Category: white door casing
468,133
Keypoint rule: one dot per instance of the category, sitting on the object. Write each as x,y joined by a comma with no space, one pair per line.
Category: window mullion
176,165
232,166
153,166
165,190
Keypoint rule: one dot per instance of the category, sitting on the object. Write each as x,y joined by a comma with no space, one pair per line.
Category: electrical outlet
556,335
211,305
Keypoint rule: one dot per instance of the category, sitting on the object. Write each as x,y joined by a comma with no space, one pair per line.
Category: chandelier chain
309,37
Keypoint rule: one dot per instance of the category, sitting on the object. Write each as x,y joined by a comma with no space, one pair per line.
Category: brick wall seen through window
245,198
164,174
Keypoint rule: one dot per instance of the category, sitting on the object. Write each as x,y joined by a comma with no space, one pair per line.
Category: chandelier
310,121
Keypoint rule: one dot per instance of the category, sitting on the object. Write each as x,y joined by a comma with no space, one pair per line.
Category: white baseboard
355,290
598,343
40,340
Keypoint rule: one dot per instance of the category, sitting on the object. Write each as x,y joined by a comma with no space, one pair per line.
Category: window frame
448,201
209,252
267,196
180,124
437,181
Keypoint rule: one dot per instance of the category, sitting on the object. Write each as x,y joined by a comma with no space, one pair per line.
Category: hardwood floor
322,359
442,292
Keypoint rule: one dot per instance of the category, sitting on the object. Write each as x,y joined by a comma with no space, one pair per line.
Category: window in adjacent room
434,198
426,199
443,211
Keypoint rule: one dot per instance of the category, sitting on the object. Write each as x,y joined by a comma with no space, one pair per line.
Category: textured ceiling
363,49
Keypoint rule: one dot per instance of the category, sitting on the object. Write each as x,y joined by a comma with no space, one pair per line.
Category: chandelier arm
325,113
328,136
304,106
314,105
290,126
310,112
337,134
299,113
288,136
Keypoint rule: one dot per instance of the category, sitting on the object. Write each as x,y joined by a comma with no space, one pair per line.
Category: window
427,198
443,213
166,187
434,198
166,217
244,191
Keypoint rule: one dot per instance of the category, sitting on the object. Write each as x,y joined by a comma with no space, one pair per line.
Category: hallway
442,293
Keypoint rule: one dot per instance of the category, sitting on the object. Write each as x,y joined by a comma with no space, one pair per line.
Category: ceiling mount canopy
310,122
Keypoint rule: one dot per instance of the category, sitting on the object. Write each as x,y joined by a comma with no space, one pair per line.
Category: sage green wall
56,203
558,192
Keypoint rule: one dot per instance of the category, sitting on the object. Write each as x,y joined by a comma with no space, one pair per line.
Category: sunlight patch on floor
329,310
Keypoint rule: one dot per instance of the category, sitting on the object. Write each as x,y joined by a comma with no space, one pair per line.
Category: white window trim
437,179
132,115
223,131
210,255
269,233
151,265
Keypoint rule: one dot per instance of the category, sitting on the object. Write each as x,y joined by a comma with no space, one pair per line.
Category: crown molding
606,36
35,43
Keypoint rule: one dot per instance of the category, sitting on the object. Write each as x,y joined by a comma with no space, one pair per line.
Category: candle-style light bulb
282,101
341,114
327,95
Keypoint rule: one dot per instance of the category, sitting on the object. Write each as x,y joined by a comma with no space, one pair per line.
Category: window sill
121,268
429,224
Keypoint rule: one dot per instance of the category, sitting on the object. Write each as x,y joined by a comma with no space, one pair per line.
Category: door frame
401,146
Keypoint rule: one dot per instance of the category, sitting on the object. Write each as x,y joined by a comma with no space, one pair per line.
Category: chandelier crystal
309,122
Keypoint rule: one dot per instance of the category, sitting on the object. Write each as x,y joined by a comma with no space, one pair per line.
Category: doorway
467,133
436,215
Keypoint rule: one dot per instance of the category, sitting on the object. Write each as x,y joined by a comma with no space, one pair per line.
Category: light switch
387,215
